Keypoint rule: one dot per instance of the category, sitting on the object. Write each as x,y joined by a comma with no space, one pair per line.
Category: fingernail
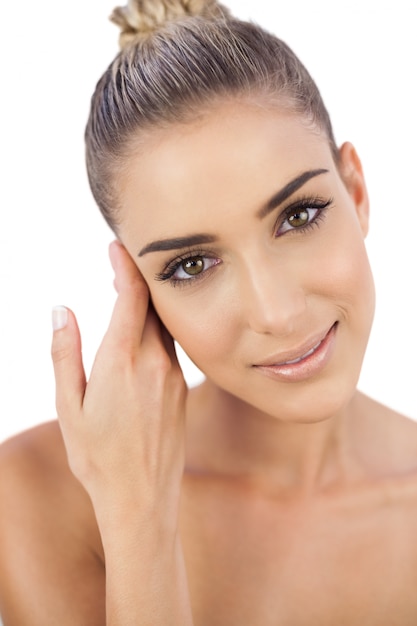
59,317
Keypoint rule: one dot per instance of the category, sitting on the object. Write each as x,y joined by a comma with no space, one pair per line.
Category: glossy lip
304,362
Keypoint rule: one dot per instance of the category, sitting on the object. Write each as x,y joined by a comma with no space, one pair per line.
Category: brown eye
298,218
193,265
300,215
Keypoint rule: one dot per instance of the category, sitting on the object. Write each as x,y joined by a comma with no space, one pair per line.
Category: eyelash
302,204
175,264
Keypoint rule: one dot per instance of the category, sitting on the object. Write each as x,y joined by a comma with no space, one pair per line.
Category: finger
169,344
130,309
69,371
156,333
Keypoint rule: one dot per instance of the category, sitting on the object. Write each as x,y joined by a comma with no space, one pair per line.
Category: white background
53,241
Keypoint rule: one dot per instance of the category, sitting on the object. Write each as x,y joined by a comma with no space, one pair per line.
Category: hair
177,58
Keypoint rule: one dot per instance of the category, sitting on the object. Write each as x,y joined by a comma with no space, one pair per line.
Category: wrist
129,519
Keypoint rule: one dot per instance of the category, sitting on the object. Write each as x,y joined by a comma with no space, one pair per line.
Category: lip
304,362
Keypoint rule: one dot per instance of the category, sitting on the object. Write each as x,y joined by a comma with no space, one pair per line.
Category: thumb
69,371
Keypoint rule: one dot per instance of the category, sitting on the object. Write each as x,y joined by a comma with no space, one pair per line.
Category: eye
298,218
187,269
302,215
190,267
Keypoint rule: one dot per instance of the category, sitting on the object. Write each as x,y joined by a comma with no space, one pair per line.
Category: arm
124,436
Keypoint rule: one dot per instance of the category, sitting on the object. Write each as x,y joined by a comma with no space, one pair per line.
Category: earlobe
352,175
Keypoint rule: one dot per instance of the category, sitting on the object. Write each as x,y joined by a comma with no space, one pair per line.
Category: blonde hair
177,58
140,18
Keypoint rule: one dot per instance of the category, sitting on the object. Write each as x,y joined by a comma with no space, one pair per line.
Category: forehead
237,154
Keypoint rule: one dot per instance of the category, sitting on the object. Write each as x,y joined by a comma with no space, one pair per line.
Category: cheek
348,275
201,325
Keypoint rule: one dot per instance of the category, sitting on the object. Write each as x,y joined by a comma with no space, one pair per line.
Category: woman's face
253,249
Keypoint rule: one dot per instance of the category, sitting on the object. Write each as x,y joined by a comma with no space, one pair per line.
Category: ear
350,168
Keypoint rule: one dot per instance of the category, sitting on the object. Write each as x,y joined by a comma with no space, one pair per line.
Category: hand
124,428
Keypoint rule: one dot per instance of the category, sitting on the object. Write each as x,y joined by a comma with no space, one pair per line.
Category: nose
273,298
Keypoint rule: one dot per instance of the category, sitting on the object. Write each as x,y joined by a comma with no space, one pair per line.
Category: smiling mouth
304,356
306,364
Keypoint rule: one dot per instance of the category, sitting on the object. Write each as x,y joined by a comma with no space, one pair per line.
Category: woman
274,492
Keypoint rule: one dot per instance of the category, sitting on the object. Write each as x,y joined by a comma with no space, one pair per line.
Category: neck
234,439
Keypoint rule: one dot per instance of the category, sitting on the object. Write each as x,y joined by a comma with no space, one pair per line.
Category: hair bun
139,18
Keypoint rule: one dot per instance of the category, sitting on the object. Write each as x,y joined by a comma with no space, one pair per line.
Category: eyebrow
176,243
283,194
288,190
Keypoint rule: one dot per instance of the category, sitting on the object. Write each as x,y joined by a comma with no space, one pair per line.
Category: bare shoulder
34,472
40,447
50,551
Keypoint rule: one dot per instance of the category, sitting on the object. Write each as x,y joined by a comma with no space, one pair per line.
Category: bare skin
275,493
252,548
